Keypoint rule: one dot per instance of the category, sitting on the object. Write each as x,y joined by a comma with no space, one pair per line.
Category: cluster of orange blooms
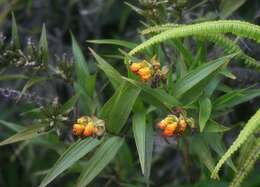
172,125
144,69
88,126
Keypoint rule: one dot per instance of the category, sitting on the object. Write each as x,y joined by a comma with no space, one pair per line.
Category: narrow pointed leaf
199,74
12,77
112,74
139,131
101,158
129,45
11,125
43,45
69,105
25,134
117,109
15,36
205,111
214,127
75,152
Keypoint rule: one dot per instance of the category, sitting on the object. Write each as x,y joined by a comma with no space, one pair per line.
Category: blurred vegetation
44,75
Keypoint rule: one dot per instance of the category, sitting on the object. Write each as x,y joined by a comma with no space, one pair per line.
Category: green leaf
15,36
29,84
122,43
230,6
117,109
12,77
11,125
205,111
101,158
112,74
155,96
139,135
201,149
43,45
69,105
235,97
149,142
186,54
25,134
199,74
75,152
214,127
85,84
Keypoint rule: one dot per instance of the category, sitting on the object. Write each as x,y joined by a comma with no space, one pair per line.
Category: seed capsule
77,129
89,129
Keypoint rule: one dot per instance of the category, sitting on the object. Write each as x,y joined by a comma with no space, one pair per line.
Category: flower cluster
143,69
88,126
173,124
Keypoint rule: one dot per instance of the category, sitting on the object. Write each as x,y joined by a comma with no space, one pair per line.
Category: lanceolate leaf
25,134
85,83
69,105
199,74
11,125
30,83
236,97
43,45
75,152
15,37
12,77
105,153
155,96
122,43
139,131
149,141
112,74
201,149
117,109
213,127
228,7
205,110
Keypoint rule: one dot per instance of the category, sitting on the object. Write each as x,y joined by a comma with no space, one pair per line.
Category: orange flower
181,126
134,67
77,129
167,133
89,129
144,71
162,124
171,127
